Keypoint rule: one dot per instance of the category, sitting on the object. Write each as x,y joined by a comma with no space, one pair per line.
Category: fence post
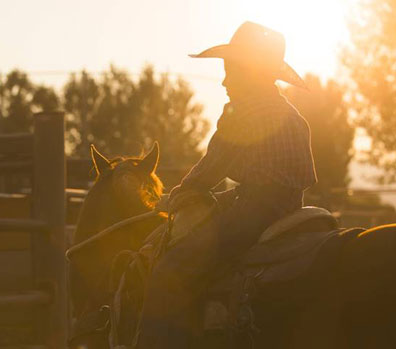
49,205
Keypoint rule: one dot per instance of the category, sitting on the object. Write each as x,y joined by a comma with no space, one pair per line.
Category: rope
78,247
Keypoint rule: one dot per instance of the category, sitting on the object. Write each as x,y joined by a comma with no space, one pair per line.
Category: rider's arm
223,152
212,168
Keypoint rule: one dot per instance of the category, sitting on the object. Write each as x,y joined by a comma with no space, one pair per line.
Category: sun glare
312,27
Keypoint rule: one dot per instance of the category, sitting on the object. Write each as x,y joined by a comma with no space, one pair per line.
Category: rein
78,247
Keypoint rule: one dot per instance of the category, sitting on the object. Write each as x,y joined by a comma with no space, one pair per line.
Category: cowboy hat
255,45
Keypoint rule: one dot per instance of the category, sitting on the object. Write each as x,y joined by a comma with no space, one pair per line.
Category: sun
313,29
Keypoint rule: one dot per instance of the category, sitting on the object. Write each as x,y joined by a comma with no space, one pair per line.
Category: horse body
345,299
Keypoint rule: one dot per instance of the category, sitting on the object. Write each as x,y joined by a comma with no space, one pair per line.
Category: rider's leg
174,284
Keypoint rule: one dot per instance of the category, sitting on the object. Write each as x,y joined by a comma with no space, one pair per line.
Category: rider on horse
261,142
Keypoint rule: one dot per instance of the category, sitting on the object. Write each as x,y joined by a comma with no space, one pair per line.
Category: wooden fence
33,292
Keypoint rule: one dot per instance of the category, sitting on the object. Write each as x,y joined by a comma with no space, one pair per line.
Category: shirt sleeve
222,153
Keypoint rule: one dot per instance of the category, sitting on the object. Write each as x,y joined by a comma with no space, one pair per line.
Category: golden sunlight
308,25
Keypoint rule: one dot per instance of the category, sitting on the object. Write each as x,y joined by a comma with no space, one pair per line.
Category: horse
345,299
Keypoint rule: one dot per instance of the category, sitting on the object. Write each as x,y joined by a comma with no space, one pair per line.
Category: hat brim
286,72
219,51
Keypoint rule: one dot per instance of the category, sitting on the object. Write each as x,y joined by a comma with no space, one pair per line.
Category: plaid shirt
259,141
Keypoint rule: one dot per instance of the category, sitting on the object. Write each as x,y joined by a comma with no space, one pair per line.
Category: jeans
183,273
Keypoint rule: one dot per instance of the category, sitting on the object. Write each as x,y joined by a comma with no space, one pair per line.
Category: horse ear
150,161
100,162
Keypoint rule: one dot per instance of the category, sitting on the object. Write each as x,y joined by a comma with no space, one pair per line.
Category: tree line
121,116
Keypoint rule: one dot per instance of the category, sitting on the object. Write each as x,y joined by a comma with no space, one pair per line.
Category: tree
19,99
371,63
122,116
168,114
332,136
81,99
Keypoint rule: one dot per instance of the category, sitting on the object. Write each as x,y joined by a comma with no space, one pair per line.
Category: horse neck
100,211
94,216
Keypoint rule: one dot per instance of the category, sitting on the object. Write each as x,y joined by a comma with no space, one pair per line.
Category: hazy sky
51,35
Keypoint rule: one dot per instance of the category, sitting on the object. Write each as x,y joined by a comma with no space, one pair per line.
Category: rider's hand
179,197
174,199
162,205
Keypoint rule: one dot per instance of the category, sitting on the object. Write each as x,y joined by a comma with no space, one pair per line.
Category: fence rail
17,143
26,299
30,225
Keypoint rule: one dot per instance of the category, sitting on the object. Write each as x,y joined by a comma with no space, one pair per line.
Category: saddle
285,251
